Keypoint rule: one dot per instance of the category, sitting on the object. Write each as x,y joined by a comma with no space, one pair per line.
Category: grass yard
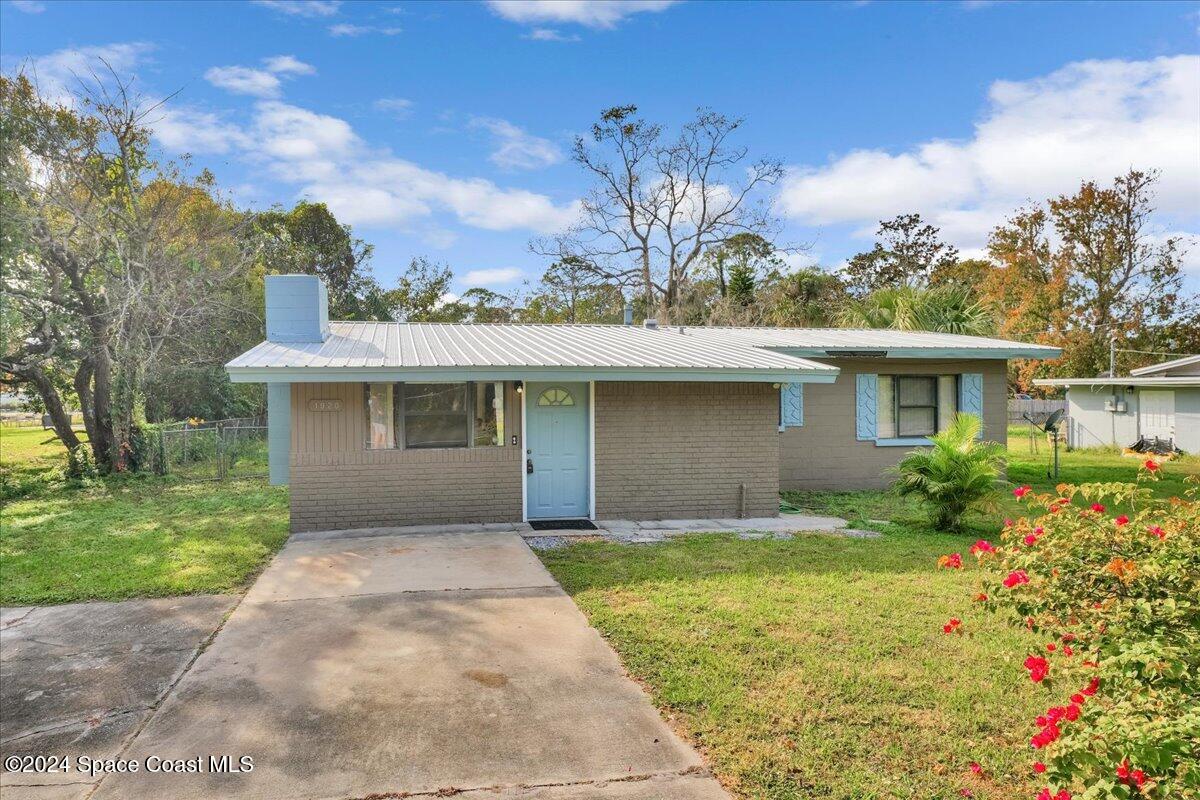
817,667
129,536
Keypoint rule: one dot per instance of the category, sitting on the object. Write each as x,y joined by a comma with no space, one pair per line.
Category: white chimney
297,309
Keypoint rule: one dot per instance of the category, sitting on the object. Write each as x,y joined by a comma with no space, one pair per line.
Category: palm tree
944,309
958,473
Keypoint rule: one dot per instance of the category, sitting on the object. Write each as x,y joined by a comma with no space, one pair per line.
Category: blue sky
443,129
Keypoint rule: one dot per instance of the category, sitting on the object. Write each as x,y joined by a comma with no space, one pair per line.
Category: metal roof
433,348
387,350
1186,361
1180,380
896,344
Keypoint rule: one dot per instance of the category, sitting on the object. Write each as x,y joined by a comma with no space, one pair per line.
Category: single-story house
1161,401
385,423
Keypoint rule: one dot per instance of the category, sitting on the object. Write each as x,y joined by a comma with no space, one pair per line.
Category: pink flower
1021,492
952,561
1016,578
1038,668
1030,540
976,768
982,546
1158,531
1039,767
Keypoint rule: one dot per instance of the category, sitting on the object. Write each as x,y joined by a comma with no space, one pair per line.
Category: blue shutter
970,396
791,405
279,431
866,398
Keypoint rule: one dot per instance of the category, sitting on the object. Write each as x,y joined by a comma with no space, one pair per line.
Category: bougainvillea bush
1115,598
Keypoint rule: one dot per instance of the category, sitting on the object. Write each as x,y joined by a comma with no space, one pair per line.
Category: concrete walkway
388,665
615,529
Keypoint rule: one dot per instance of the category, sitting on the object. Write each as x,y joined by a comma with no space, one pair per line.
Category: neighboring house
378,424
1160,401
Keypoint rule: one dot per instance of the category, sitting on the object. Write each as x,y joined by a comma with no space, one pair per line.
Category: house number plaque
324,405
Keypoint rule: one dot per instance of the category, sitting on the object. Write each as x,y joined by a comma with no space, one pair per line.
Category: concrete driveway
391,666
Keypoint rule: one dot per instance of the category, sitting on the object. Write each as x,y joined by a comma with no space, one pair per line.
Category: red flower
1098,508
976,768
1039,767
1021,492
980,598
1051,647
1092,686
1131,777
1078,699
1072,713
1008,523
1151,465
952,561
1158,531
1121,520
952,625
1031,540
1038,668
1068,650
1016,578
1063,794
981,547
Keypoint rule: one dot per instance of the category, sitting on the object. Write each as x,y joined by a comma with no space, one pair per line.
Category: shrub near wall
1116,598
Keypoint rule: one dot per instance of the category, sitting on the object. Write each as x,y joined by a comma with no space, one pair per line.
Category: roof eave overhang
1165,383
923,352
388,374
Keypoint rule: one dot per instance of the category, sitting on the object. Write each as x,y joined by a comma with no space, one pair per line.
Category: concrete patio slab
337,567
79,679
412,681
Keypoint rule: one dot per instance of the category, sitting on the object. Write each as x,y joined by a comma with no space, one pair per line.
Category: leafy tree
957,474
945,309
909,252
422,294
113,256
806,298
1108,276
570,291
659,203
309,240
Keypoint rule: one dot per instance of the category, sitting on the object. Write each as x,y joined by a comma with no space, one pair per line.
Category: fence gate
216,450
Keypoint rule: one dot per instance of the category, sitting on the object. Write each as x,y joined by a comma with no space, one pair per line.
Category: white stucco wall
1092,426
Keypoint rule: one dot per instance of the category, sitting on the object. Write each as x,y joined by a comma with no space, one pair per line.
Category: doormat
562,525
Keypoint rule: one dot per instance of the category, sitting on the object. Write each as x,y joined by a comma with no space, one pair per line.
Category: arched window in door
555,397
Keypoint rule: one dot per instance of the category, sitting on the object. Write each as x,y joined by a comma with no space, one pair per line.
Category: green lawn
134,536
816,667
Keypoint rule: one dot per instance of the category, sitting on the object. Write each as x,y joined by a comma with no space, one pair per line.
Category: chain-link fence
215,450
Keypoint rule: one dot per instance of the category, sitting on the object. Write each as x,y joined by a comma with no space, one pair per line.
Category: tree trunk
103,448
59,418
83,390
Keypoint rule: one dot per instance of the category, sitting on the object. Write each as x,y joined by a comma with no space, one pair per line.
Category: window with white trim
434,415
912,406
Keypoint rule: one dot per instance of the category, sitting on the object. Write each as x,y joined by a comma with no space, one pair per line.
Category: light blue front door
556,445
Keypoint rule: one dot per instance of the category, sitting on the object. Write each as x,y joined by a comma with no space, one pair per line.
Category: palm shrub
958,473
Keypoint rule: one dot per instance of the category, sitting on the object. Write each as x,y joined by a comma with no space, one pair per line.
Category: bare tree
659,204
111,255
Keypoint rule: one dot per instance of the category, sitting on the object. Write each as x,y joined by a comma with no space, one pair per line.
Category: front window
429,415
435,415
916,405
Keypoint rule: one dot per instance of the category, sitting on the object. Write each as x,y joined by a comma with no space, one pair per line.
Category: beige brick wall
680,450
337,483
824,453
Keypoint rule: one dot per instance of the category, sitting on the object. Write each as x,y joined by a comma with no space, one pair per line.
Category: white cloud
398,107
515,148
244,80
590,13
29,6
347,29
303,8
492,277
190,130
288,65
327,161
59,73
549,35
258,82
1038,138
